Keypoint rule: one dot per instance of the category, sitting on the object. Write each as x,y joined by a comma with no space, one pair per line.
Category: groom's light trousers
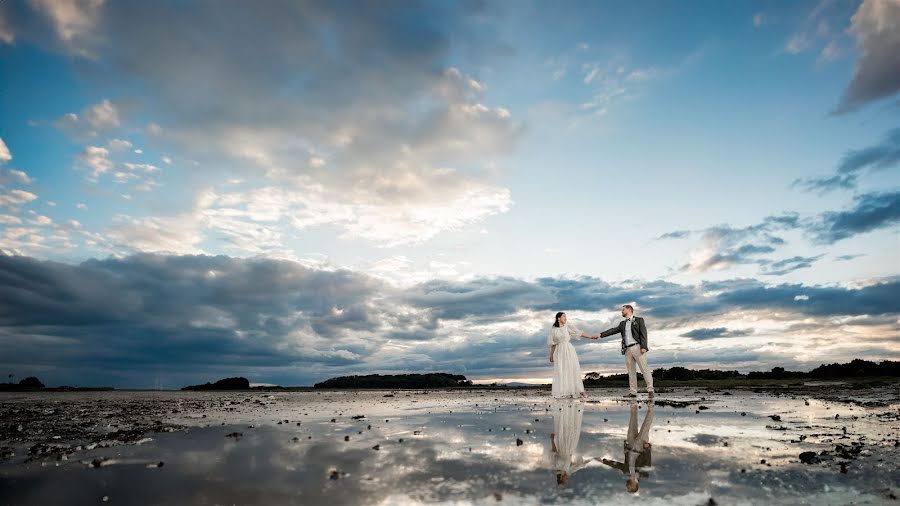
634,356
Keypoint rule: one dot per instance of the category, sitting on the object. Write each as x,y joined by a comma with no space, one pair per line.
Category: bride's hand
551,359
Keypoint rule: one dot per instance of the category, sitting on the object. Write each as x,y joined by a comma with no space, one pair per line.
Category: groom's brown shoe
630,396
651,394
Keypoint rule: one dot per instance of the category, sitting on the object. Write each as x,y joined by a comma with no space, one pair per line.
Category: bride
566,369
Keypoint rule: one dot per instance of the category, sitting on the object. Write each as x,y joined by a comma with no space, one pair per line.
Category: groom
634,347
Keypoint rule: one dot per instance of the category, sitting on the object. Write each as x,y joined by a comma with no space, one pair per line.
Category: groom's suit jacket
638,332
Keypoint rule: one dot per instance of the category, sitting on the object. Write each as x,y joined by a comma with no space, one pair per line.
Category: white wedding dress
566,369
567,417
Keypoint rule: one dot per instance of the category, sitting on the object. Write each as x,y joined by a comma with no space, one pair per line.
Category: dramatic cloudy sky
292,191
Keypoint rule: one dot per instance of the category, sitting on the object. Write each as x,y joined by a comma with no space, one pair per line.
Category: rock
346,438
809,458
701,408
519,442
235,435
776,418
376,447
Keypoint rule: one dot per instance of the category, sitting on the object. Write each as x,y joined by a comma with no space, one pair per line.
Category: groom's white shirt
629,339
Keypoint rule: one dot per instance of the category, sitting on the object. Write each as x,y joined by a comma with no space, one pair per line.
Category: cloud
142,315
788,265
95,160
829,53
93,120
5,155
704,334
74,21
877,74
409,139
119,145
844,258
877,157
677,234
102,115
797,43
761,19
872,211
7,36
724,246
20,176
17,197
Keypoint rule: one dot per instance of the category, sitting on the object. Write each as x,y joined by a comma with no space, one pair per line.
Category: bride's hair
556,323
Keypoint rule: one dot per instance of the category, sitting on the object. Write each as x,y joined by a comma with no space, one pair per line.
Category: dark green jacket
638,332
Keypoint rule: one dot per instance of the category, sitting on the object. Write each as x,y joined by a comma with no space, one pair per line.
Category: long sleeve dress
566,369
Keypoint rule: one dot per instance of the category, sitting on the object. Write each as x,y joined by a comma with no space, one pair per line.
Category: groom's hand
643,350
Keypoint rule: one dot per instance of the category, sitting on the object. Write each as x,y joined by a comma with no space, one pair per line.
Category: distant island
399,381
26,384
31,384
236,383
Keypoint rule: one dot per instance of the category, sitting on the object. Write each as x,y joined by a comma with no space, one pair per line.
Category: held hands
643,350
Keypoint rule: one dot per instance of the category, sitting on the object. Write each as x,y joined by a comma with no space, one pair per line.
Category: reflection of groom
634,347
637,449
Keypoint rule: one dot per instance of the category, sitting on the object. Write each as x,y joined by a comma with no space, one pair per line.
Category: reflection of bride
564,439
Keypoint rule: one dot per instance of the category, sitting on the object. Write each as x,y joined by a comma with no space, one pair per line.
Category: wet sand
822,444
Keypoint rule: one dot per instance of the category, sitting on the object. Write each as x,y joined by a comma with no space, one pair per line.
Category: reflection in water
460,448
567,416
637,449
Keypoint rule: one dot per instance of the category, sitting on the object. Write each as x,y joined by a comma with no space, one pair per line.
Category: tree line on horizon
857,368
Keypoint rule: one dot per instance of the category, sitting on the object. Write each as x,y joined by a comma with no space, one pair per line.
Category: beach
463,446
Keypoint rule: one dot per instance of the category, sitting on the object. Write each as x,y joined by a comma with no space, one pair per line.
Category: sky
292,191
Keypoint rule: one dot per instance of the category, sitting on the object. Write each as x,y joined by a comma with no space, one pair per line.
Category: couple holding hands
566,368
